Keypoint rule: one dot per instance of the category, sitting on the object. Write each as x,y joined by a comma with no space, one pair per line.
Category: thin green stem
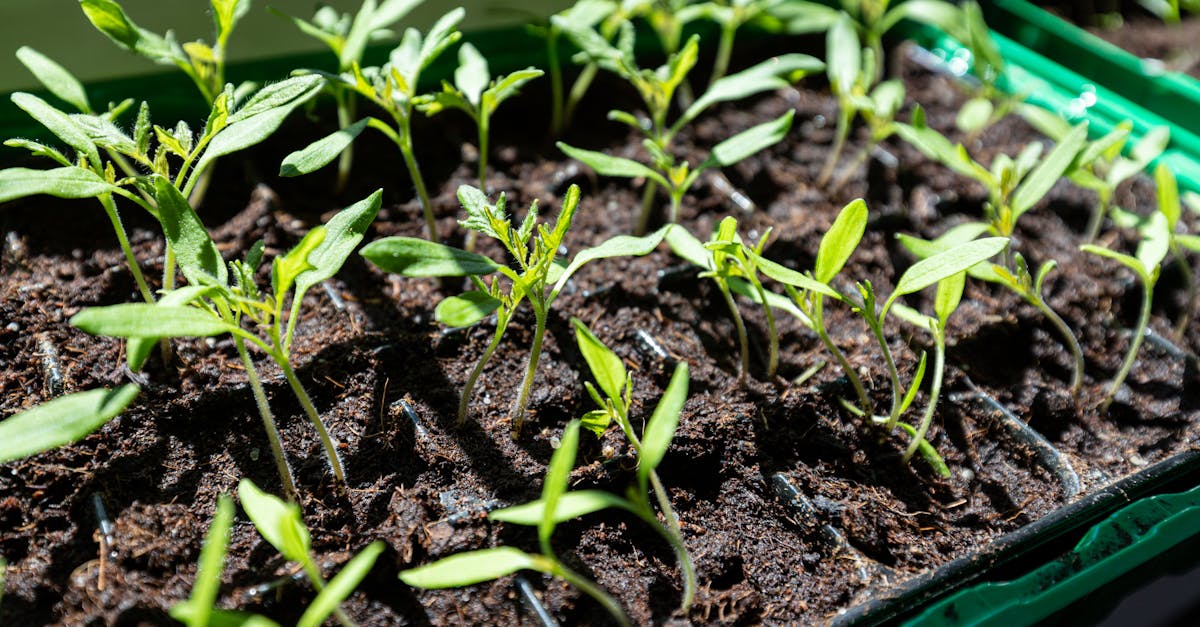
818,318
556,82
1097,218
647,206
935,389
578,89
675,538
585,585
839,143
845,173
535,352
1139,334
345,109
877,329
743,341
404,142
772,338
1185,316
1067,335
110,208
501,324
724,51
327,441
264,411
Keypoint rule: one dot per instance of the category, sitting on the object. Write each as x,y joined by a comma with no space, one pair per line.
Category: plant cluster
162,170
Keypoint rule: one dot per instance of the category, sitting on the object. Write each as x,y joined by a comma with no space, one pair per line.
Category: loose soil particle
386,377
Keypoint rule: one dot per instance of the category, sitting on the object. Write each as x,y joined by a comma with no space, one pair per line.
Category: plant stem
535,352
935,389
1136,343
647,207
501,324
1066,333
894,415
724,51
560,570
839,142
264,411
556,82
314,577
743,342
818,319
110,208
845,173
675,538
327,441
1098,213
772,337
404,141
578,89
345,110
1185,316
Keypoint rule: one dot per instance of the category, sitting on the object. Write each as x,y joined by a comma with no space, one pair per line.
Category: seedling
604,15
347,37
538,277
213,304
474,567
1147,265
61,421
393,88
614,401
282,526
657,88
726,259
1014,187
1101,167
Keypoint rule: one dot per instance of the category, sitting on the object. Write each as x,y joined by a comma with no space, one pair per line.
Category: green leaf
465,309
1167,192
197,255
415,257
343,232
319,153
949,294
208,574
660,430
507,86
341,586
55,77
840,240
915,385
687,247
750,141
260,116
226,15
285,268
947,263
1156,242
974,114
472,567
1047,173
1189,241
787,276
1129,262
58,123
108,17
137,349
68,182
356,40
596,421
222,618
472,75
765,76
61,421
391,11
618,246
278,522
607,368
928,453
608,165
40,150
557,477
571,505
843,55
151,321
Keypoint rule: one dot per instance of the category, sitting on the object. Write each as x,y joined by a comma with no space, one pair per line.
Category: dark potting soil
1138,32
386,377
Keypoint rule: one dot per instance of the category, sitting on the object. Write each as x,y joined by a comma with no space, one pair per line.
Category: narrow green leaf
840,240
1189,241
108,17
765,76
974,114
226,15
61,421
1167,192
660,430
1047,173
151,321
343,232
40,150
557,477
341,586
843,55
508,86
944,264
67,182
470,568
278,522
928,453
1129,262
58,123
319,153
415,257
949,294
197,255
55,77
571,505
465,309
607,368
137,349
472,75
618,246
687,247
787,276
392,11
1156,242
212,562
915,384
356,40
260,117
608,165
750,141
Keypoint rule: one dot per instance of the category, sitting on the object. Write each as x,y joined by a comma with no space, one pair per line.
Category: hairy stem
578,89
556,82
327,441
935,389
264,411
772,337
501,324
404,141
1098,212
110,208
1139,334
535,352
893,374
675,538
724,51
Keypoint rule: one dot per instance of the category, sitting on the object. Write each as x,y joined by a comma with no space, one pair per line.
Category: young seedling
347,37
1101,167
1147,265
538,276
477,94
726,260
989,103
601,15
220,300
472,567
657,88
61,421
1014,187
393,88
614,401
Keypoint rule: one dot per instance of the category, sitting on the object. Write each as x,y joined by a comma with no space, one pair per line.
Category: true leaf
66,182
472,75
108,17
278,522
40,149
1047,173
61,421
356,40
844,57
151,321
750,141
607,368
465,309
55,77
660,430
471,567
571,505
415,257
319,153
58,123
341,586
197,255
765,76
840,240
608,165
343,232
137,349
285,268
260,117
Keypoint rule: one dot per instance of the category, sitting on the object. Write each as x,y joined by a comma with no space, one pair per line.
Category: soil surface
386,378
1171,46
